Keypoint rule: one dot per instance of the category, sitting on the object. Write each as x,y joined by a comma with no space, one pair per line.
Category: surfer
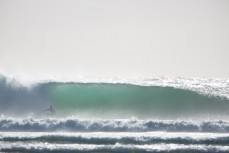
51,110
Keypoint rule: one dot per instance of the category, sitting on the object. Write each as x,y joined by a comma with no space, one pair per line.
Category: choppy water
113,142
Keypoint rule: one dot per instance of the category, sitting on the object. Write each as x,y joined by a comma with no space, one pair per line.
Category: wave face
116,100
141,101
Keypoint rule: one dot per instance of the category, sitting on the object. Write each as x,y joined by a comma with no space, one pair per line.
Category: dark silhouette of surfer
51,110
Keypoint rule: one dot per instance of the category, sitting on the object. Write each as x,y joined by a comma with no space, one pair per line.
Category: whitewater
115,115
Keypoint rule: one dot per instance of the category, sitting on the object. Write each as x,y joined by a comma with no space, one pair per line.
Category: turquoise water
119,100
132,100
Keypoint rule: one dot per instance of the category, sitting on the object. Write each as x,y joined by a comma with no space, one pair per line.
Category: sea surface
126,115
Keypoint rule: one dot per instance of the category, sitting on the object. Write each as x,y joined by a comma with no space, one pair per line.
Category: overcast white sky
187,38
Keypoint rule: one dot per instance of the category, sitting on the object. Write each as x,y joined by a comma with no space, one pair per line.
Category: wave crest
124,125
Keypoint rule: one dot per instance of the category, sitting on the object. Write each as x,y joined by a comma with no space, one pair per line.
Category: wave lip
112,125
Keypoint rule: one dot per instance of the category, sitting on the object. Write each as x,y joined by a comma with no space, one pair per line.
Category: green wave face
125,100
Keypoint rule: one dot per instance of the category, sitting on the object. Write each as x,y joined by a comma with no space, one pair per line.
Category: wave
118,148
122,125
120,142
117,100
127,138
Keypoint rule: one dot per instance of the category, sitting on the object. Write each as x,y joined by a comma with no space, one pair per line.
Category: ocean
115,115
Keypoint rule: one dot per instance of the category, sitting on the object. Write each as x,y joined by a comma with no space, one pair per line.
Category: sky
187,38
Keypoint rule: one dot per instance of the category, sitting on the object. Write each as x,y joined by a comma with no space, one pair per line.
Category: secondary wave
109,138
132,125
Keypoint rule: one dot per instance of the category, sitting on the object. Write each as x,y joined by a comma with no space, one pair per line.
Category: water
115,115
114,142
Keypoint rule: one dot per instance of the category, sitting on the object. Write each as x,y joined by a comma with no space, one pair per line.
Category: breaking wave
149,99
112,125
170,115
118,142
